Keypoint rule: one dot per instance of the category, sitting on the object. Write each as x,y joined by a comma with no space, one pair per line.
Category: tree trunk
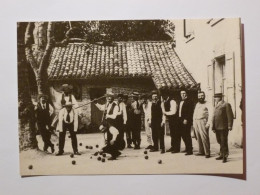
27,131
39,40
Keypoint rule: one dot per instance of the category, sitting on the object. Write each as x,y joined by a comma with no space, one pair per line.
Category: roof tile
126,59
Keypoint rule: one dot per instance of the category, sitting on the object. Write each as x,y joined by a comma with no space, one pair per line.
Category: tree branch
28,51
50,43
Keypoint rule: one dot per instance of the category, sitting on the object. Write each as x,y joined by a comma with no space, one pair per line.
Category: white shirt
181,104
173,108
107,107
203,111
67,100
122,111
63,117
145,108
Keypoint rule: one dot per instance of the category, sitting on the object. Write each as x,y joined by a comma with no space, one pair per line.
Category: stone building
211,51
125,67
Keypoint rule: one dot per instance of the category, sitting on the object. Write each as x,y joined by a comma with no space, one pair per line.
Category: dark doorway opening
96,114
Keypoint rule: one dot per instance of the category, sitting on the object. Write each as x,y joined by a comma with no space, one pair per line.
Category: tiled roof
124,59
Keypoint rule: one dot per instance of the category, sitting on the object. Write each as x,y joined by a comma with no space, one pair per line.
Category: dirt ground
130,162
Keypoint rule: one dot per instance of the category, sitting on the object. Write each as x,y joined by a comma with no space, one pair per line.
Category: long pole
90,102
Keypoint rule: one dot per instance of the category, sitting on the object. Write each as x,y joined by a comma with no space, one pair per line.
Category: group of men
160,108
124,119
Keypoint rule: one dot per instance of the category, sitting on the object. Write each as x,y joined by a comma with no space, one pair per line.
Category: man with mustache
201,123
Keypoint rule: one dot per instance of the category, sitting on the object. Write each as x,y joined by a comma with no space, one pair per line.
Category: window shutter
210,74
230,79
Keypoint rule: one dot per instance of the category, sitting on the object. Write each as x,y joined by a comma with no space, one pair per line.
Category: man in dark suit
222,123
185,113
43,111
156,121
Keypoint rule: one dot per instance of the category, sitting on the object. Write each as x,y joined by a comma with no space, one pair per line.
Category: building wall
209,41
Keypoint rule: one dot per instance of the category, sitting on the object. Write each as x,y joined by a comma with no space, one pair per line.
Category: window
219,75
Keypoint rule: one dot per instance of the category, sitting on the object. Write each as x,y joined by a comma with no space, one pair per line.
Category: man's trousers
148,132
222,139
172,121
157,135
202,136
136,129
46,136
185,134
74,142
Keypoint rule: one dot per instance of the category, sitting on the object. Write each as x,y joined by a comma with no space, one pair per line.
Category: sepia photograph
105,97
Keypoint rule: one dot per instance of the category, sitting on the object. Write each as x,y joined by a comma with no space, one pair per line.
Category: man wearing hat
222,123
136,120
68,121
65,97
156,121
43,111
110,110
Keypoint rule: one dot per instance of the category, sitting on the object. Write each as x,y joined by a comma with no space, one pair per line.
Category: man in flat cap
222,123
43,111
136,120
68,121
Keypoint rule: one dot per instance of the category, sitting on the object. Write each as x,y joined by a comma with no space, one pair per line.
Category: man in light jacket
201,123
68,121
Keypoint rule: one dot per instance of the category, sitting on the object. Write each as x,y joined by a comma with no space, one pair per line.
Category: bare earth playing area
130,162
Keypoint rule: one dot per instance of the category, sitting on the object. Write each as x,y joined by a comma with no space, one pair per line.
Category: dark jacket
43,116
222,117
187,111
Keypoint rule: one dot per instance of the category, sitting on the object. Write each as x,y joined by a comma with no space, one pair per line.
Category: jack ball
160,161
30,167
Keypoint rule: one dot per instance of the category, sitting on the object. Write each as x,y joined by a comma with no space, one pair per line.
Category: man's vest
156,112
43,115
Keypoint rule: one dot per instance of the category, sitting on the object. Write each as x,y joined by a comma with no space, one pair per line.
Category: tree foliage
118,30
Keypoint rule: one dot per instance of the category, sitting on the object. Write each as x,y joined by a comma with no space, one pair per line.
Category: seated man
112,141
68,121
